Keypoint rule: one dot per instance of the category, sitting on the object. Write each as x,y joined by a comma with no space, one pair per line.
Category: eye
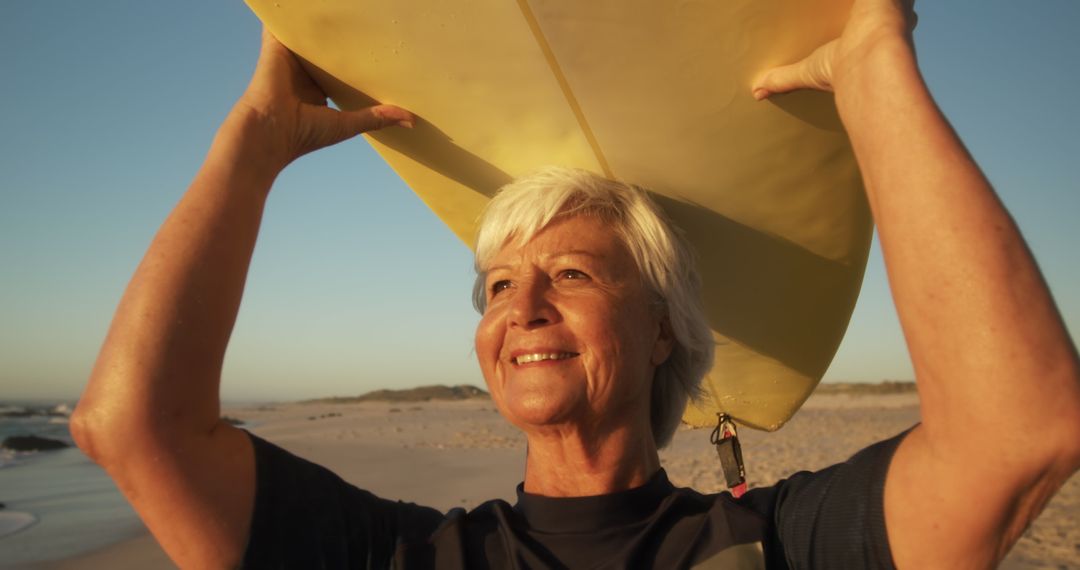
499,286
572,275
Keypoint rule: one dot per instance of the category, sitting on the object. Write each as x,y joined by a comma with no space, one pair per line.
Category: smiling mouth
541,356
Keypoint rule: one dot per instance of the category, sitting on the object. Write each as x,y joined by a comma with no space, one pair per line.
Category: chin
527,407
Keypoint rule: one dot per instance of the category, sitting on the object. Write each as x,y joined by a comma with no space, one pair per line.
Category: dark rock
19,414
32,443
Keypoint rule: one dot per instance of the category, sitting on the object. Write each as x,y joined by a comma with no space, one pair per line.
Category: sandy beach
449,454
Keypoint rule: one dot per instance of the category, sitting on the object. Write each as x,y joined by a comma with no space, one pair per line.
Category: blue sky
107,109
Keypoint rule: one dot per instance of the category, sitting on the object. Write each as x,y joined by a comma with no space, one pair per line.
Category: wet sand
451,454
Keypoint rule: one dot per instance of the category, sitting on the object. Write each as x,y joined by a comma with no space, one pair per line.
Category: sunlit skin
985,337
574,291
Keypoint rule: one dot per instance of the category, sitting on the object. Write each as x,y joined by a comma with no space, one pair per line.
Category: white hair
663,257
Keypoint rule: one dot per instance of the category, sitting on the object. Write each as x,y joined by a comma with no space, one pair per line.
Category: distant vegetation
421,394
860,388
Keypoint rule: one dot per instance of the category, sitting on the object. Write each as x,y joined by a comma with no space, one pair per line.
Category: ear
665,343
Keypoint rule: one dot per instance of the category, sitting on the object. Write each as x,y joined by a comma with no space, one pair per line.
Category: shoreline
460,453
140,551
12,522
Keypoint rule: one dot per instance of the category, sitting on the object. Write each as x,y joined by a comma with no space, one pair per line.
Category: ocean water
56,503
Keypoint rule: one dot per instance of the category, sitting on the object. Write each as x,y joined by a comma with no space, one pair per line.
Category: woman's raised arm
150,413
998,376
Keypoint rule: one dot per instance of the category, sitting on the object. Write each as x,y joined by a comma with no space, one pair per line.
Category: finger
789,78
377,117
777,80
270,45
329,127
814,72
276,63
268,39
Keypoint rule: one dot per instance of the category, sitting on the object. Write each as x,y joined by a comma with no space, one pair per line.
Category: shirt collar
584,514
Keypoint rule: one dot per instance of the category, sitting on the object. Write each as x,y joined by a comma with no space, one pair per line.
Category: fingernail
760,94
408,123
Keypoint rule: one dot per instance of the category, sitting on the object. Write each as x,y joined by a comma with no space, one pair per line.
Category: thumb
375,118
326,126
813,72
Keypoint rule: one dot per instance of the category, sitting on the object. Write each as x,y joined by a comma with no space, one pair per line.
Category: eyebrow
557,255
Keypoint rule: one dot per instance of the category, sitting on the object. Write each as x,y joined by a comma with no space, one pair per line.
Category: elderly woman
591,341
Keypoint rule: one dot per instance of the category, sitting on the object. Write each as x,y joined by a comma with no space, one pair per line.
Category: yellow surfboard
654,93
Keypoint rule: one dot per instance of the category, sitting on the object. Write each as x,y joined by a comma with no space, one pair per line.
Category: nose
530,307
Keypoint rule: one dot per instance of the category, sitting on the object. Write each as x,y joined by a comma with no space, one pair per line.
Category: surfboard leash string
726,439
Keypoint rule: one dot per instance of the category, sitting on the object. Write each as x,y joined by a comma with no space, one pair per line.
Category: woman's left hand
872,25
985,337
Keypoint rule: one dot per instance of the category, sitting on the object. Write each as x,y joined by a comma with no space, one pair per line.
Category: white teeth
527,358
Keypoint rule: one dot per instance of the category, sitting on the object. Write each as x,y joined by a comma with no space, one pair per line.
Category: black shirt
307,517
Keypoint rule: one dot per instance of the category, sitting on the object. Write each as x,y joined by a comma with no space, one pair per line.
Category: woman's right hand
290,113
150,414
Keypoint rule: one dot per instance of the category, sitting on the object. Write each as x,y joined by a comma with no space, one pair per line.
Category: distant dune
466,392
419,394
866,388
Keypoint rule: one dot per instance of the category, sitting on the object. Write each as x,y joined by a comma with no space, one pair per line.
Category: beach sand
451,454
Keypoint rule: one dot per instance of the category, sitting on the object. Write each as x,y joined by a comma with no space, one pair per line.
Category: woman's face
569,337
